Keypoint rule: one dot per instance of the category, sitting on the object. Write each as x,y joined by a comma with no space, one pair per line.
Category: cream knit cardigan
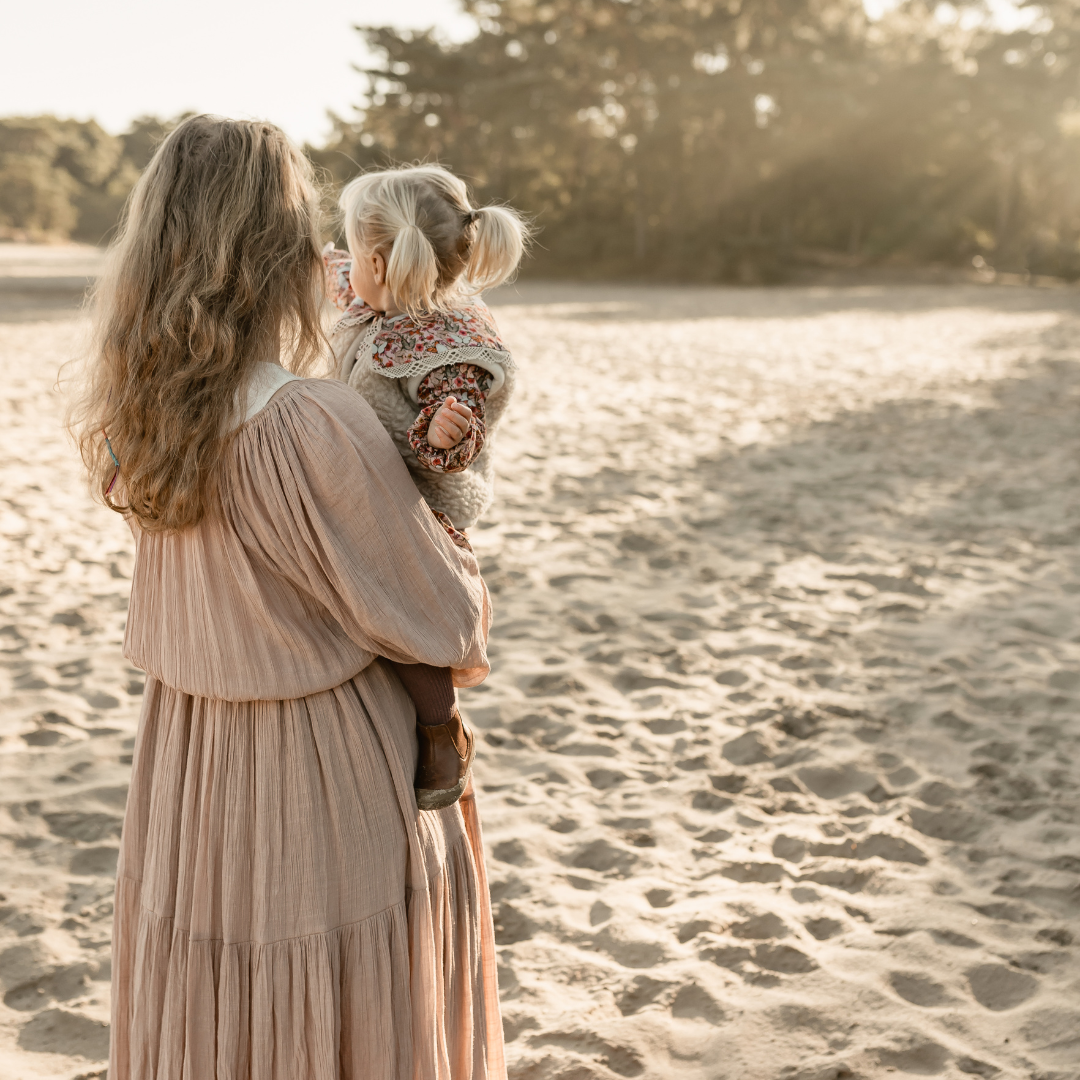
392,392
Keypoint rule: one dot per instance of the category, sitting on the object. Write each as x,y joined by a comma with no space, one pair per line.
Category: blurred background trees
697,139
68,178
692,139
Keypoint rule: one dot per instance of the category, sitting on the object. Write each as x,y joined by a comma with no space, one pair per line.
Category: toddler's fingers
460,422
457,414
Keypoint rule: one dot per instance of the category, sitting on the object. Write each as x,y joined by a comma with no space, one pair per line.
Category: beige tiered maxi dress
283,911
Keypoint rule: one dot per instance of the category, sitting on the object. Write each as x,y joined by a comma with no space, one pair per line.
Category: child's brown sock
431,689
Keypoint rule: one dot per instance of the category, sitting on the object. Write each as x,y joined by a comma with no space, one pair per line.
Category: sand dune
779,762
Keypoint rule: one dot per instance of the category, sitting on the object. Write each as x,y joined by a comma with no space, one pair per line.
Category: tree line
709,140
68,179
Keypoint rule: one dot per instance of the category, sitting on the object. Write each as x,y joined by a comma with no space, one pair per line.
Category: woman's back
282,909
297,584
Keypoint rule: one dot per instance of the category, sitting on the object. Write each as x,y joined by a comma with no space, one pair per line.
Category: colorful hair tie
116,462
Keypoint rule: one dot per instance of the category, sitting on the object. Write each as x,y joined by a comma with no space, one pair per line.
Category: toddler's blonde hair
437,246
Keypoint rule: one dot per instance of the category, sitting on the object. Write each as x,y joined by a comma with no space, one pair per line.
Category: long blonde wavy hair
216,267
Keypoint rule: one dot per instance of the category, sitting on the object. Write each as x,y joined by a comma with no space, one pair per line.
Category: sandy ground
779,762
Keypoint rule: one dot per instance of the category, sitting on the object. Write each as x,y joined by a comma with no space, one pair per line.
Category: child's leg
444,744
460,538
431,689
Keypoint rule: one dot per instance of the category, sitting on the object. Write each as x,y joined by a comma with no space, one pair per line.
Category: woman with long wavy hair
283,912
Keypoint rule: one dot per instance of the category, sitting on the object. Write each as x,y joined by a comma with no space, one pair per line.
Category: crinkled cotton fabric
283,911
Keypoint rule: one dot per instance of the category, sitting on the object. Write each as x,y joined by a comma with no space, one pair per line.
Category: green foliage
697,139
689,139
68,178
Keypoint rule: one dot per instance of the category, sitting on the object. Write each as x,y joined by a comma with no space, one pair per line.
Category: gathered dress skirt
283,911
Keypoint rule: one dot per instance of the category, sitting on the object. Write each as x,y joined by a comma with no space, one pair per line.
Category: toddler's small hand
450,424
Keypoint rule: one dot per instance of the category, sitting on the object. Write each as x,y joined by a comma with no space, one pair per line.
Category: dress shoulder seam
285,392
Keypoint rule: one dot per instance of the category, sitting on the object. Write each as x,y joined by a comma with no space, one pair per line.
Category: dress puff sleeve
323,495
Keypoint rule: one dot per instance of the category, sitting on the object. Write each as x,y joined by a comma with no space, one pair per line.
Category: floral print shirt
468,383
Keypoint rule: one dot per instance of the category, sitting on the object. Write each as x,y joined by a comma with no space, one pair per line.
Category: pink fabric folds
323,556
283,911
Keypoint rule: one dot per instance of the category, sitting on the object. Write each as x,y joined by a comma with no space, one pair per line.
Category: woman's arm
349,528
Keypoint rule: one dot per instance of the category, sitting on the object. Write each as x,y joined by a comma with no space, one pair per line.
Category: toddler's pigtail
497,249
418,218
412,270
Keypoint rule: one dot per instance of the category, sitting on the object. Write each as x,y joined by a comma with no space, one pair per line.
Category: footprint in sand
87,827
95,862
732,783
848,878
18,922
56,1031
750,749
512,925
602,779
60,984
552,684
642,991
605,858
564,825
710,802
732,677
694,1002
619,1059
599,913
660,898
586,750
761,927
935,793
515,1024
114,796
714,836
997,987
1065,679
950,937
1057,935
974,1067
732,957
834,782
783,958
753,871
924,1058
920,989
789,848
690,930
630,951
1006,912
954,824
666,726
824,928
513,852
44,736
878,845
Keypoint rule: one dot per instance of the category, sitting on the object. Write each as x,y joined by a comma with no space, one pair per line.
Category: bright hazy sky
286,62
117,59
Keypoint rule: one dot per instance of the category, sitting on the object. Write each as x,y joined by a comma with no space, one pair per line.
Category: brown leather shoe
443,763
